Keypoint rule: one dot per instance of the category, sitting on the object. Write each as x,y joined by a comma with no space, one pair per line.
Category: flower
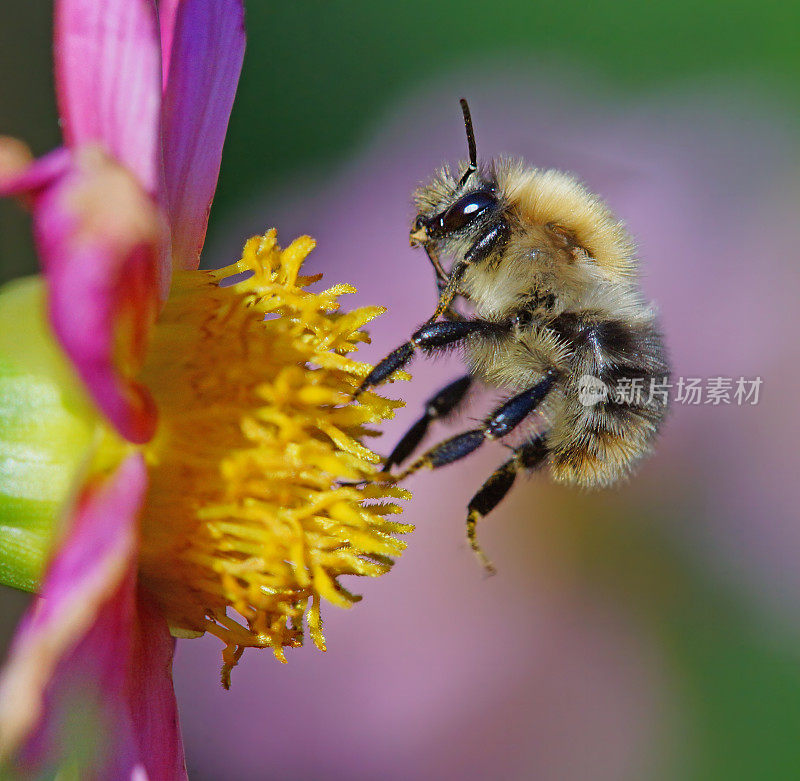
188,441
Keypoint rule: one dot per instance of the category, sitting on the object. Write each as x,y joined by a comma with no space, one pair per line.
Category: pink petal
151,696
167,11
77,683
205,62
108,80
99,548
99,238
18,179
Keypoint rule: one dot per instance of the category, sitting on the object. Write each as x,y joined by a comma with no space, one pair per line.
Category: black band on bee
536,303
581,328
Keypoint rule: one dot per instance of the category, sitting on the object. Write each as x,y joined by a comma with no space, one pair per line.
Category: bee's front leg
430,338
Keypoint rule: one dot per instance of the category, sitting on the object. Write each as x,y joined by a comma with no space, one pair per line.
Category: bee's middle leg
501,422
438,406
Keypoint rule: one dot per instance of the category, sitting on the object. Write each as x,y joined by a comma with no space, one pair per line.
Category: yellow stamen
245,512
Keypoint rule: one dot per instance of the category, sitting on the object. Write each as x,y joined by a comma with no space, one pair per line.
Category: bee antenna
473,152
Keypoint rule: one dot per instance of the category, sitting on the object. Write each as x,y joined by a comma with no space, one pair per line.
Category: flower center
245,512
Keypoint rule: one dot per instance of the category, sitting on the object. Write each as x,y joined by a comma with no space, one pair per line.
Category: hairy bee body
565,275
558,324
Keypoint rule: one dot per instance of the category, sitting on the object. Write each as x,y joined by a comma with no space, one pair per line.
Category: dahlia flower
182,452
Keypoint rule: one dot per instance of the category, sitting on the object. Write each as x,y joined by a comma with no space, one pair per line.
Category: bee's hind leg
527,456
438,406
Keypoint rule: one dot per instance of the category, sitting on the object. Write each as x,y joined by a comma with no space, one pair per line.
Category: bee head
463,209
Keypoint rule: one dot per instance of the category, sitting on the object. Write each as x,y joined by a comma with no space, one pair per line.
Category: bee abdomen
614,401
602,446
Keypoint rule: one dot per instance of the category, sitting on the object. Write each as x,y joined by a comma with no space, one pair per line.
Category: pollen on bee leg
248,524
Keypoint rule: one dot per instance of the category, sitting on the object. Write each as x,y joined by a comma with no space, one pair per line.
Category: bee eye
467,209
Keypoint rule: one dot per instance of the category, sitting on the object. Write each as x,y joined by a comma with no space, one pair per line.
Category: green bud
47,429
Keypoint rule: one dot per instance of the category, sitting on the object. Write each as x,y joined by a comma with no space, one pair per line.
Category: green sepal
47,427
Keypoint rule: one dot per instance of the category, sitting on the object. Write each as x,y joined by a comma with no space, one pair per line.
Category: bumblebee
557,323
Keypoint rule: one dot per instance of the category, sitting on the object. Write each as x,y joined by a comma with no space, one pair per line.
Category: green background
318,74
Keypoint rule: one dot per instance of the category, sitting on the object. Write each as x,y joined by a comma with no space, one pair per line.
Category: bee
558,324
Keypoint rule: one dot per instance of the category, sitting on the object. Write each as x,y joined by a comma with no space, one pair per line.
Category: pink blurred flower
144,94
552,670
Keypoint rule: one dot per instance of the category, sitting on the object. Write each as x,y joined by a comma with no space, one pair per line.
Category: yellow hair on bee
550,197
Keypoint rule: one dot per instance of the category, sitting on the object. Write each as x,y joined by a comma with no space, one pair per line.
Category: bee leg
528,456
441,285
450,290
430,338
501,422
441,274
438,406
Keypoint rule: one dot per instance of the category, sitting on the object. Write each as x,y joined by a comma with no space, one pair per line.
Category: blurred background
646,632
